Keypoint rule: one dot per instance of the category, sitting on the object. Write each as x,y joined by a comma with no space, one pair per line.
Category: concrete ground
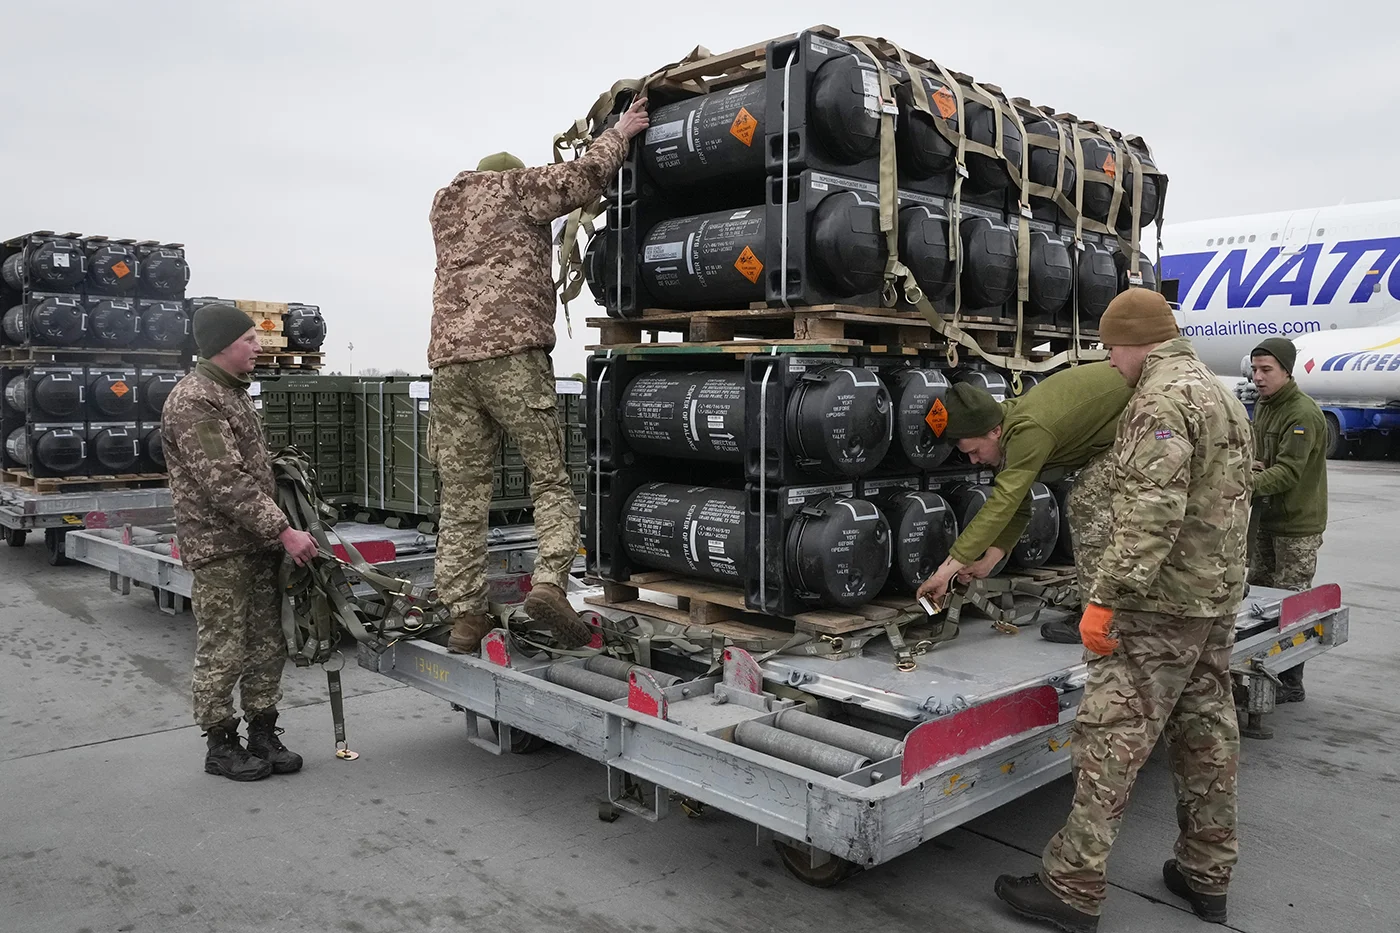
108,823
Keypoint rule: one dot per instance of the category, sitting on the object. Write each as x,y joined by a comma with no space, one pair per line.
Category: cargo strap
898,278
996,597
317,597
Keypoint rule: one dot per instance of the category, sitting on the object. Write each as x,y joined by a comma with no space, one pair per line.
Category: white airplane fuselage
1289,274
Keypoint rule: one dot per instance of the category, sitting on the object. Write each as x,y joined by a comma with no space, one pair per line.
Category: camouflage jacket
494,291
1181,488
220,472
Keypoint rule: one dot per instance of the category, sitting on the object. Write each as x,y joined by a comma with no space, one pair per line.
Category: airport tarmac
108,823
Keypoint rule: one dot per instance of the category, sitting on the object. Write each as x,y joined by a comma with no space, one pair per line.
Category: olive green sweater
1290,439
1053,429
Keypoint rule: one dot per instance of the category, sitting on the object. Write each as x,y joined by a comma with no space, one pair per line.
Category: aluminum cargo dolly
885,760
137,554
56,514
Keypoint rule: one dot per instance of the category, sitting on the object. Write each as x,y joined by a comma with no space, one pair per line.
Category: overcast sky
295,147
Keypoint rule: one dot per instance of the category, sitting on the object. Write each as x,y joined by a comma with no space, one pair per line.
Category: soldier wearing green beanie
1290,483
1061,425
232,539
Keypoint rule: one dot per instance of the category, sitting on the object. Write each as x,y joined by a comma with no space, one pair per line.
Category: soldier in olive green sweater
1290,483
1057,427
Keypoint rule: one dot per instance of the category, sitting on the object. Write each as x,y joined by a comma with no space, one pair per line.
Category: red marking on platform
374,552
1309,604
644,695
595,622
494,646
741,671
942,739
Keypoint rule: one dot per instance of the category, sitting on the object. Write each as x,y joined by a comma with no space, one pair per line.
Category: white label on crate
819,186
870,82
568,387
798,494
740,215
663,252
420,389
664,132
844,182
423,405
257,404
255,389
826,45
60,259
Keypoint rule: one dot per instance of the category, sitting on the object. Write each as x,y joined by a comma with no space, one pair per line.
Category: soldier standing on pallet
492,330
232,536
1290,484
1170,583
1064,424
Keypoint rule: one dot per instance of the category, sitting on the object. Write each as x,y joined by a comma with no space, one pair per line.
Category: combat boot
263,741
1029,897
1061,631
1209,907
468,631
548,604
228,757
1290,686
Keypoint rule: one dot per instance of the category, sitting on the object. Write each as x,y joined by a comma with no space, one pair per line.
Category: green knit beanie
499,162
972,412
1281,349
217,326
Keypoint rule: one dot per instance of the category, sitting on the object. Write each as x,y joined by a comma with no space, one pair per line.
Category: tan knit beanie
1136,317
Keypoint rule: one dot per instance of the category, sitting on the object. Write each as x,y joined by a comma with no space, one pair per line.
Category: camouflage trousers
472,404
1091,519
1167,675
1284,563
239,641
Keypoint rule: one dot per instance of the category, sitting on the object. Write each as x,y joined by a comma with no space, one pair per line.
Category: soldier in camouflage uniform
492,330
1063,424
1170,582
231,536
1290,484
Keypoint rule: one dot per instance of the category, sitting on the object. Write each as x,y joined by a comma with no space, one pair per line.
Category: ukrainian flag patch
1298,429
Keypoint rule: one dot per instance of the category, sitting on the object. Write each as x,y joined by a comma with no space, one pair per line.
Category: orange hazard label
749,265
937,418
122,270
1110,167
119,389
944,103
743,126
268,324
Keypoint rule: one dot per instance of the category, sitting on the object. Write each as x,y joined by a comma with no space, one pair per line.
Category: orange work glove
1093,630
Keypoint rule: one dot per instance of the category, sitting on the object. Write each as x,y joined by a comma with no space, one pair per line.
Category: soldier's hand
984,567
1093,630
300,546
635,119
935,586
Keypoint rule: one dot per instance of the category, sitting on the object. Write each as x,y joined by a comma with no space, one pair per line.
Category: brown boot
468,631
548,604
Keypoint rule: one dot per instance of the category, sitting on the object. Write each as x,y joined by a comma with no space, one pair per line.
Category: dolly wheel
830,874
53,540
15,537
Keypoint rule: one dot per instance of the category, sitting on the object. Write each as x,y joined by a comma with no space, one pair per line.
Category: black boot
1209,907
1061,631
1290,689
228,757
263,741
1029,897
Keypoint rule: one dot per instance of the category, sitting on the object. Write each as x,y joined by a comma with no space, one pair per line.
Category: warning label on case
743,126
749,265
121,269
119,389
944,103
937,418
1110,166
268,324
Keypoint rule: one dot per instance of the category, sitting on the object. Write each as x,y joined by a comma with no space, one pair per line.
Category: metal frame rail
56,514
657,740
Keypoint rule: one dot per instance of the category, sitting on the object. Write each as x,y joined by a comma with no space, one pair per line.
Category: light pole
351,347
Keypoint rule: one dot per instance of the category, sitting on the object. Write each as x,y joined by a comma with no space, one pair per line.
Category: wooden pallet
715,607
832,325
45,485
302,362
